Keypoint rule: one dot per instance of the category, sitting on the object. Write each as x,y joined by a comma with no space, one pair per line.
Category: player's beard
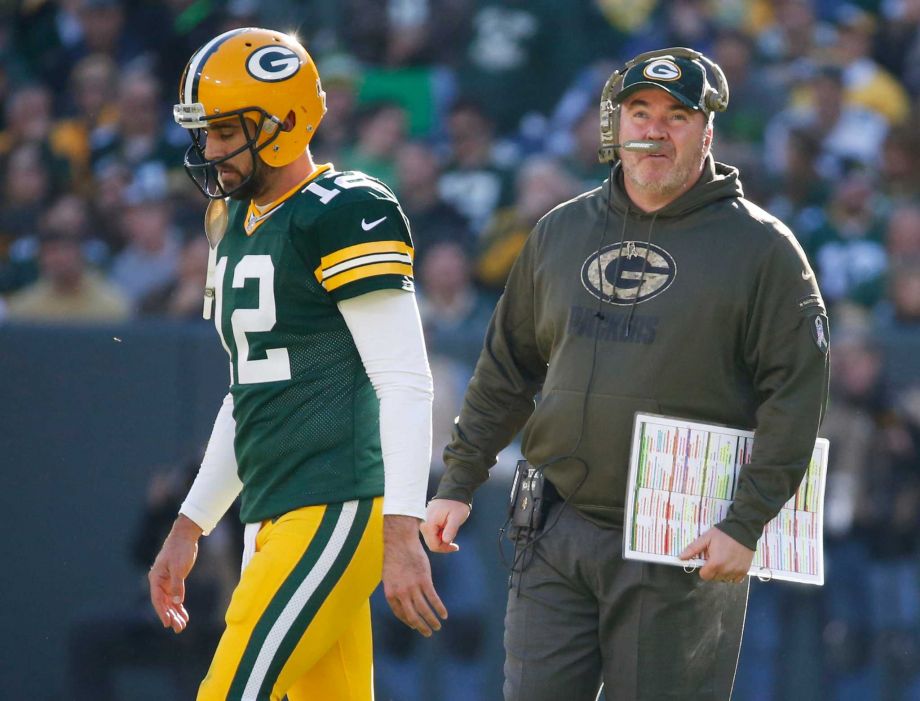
684,167
256,184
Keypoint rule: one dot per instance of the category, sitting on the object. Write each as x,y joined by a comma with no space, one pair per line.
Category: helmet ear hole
289,122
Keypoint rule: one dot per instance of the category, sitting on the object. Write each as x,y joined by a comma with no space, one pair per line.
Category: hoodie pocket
605,424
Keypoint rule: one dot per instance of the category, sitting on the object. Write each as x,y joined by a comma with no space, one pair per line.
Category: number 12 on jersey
276,365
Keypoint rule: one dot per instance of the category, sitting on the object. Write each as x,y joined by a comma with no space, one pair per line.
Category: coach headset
713,100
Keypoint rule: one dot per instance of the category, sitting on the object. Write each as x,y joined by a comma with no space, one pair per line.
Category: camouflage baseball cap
683,78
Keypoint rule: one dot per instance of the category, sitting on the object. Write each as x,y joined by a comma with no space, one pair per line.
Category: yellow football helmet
256,74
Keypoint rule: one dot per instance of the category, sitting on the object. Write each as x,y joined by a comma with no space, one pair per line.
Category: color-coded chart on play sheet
682,479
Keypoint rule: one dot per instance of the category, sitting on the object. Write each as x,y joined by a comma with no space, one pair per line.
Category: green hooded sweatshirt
705,310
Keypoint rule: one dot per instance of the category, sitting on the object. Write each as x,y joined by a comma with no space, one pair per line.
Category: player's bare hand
407,576
167,576
727,560
442,522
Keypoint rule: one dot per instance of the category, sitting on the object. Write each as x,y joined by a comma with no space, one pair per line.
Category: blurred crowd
482,115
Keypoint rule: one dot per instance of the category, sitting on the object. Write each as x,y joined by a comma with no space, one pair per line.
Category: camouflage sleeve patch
820,333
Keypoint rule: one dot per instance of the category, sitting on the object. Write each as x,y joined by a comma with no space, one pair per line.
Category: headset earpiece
610,117
716,98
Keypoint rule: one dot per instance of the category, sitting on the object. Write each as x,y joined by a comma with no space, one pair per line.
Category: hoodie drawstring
648,241
616,274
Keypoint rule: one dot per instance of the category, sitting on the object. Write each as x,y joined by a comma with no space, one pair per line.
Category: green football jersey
307,423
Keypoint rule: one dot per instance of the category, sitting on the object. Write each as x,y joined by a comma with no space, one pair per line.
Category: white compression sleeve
388,334
217,484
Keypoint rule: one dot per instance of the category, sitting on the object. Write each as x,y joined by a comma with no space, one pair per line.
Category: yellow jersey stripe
362,249
367,271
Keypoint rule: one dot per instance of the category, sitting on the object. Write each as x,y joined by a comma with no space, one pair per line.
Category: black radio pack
527,505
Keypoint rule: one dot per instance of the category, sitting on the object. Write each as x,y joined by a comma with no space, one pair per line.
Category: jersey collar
256,215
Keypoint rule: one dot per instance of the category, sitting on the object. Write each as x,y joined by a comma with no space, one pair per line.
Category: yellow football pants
299,621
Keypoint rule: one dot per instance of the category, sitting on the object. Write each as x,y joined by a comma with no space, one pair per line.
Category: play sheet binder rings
682,479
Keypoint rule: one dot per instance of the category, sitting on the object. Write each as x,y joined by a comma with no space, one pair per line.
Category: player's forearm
388,334
217,484
405,437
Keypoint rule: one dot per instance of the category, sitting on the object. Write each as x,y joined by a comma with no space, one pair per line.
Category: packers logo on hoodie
628,273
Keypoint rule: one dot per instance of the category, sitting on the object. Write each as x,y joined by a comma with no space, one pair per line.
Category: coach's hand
727,560
407,576
442,522
167,576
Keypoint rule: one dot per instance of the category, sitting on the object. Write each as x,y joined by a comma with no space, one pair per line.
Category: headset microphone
640,146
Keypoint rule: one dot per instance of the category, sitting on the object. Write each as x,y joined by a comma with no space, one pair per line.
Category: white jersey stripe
365,260
299,600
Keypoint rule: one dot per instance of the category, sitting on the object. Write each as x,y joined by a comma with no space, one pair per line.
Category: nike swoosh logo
368,227
806,275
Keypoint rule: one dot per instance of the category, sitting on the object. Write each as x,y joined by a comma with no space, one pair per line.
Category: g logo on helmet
662,69
271,64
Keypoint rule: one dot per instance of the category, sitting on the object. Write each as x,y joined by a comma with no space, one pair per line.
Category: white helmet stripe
191,77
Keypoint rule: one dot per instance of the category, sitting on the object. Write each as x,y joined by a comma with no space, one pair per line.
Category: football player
325,433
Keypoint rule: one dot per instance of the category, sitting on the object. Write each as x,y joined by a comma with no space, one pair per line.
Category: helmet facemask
203,171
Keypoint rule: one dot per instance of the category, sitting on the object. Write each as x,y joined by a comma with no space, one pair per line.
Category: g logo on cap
272,63
662,69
